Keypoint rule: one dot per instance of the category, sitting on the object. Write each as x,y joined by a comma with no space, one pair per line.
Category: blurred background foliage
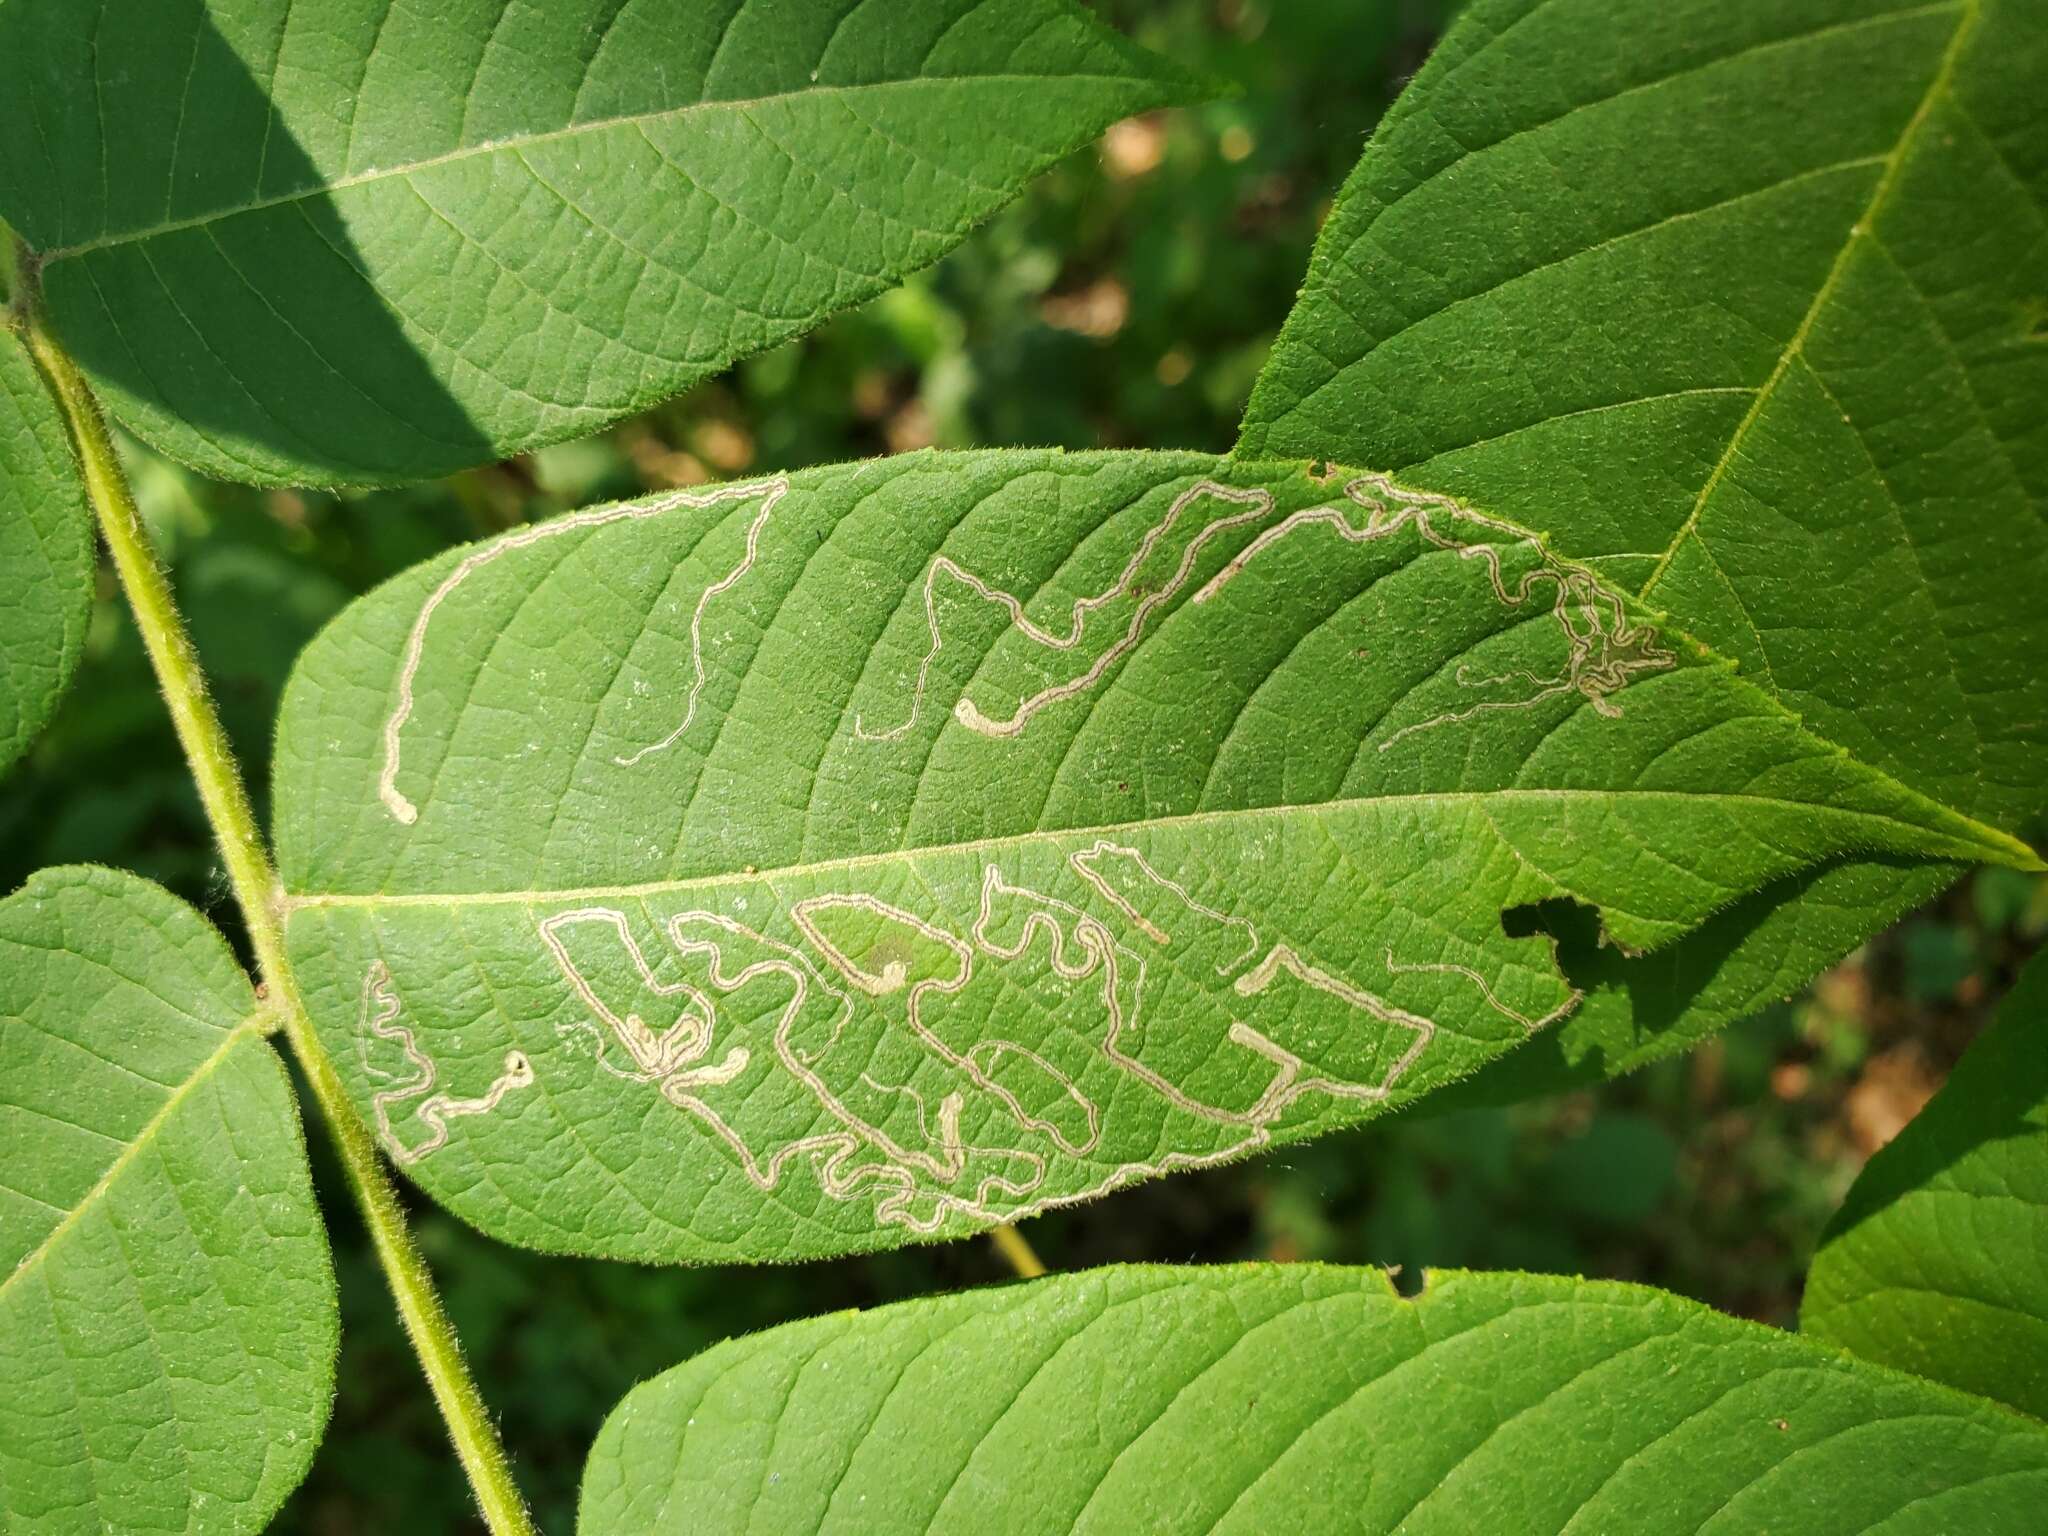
1127,300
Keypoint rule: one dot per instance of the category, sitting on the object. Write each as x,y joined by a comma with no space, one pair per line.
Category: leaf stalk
1017,1252
226,801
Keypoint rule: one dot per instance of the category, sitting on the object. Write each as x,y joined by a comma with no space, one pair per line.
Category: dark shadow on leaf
1639,1007
250,343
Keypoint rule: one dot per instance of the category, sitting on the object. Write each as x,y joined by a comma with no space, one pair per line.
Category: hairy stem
255,884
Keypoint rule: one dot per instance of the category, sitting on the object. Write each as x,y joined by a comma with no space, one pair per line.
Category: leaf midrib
250,1026
1940,85
1995,846
517,142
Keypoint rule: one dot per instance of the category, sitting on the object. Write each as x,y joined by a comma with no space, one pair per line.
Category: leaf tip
2003,848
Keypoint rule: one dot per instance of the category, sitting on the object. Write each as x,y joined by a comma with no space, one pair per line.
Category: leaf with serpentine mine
810,863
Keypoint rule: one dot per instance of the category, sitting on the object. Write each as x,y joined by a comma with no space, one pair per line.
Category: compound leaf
1938,1261
359,240
1748,315
809,863
167,1308
46,552
1303,1398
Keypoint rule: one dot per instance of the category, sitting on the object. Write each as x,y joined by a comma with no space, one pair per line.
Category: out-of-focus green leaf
167,1311
46,550
1269,1398
357,240
811,863
1617,1171
1938,1261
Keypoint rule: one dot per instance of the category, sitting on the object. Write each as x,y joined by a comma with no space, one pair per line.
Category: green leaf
46,552
354,240
1938,1261
167,1309
1746,315
746,873
1757,950
1303,1398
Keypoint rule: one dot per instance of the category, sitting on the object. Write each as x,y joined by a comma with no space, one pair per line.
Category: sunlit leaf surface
1938,1262
1268,1398
815,862
167,1310
1747,314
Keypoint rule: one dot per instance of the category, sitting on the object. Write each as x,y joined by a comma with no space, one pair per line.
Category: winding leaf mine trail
996,1129
1605,649
769,493
831,1015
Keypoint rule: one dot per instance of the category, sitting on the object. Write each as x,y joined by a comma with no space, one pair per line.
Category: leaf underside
1938,1261
1288,1398
812,863
46,552
339,241
1744,315
167,1308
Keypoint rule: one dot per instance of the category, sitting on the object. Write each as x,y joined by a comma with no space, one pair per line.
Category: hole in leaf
1574,925
1675,995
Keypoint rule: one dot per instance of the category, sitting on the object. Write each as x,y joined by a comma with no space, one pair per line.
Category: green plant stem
1018,1252
256,889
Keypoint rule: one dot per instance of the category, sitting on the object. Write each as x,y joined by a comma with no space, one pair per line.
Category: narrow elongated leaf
167,1310
810,863
1938,1262
1268,1398
46,552
360,240
1747,315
